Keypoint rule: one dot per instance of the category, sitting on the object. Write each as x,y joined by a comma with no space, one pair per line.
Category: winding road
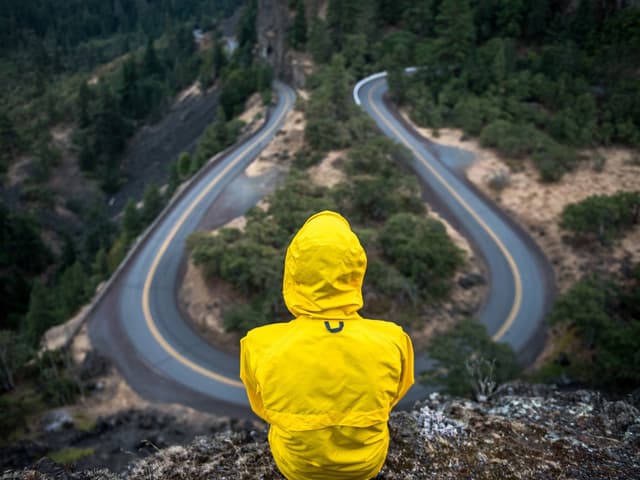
521,279
137,324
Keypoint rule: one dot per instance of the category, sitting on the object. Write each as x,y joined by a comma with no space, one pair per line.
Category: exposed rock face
274,21
273,25
523,431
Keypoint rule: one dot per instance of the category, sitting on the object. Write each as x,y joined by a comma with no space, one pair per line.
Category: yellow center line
517,300
156,261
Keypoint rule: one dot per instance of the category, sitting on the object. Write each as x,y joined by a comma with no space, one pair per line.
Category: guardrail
370,78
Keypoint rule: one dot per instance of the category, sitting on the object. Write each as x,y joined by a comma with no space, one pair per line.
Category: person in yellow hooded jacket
327,380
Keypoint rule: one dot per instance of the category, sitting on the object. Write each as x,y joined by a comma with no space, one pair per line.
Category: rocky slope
273,24
523,431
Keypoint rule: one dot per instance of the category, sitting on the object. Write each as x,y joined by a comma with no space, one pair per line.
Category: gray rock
94,365
56,421
620,415
632,435
470,280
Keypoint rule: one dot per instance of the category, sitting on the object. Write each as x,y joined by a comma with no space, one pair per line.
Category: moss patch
69,456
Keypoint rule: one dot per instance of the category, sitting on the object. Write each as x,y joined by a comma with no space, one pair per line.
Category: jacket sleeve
406,377
247,375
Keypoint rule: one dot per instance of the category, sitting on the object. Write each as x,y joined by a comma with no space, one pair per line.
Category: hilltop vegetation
600,316
540,79
531,79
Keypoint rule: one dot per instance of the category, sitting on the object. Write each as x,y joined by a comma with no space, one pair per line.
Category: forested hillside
44,43
49,79
79,79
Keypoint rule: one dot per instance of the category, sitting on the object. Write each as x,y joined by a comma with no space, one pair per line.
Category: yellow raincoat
327,380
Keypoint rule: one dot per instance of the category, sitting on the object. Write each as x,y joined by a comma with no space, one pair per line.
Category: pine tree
68,256
174,180
319,41
71,291
8,139
99,266
83,100
397,79
184,165
152,203
390,11
247,32
420,17
41,314
219,58
206,72
538,13
343,17
298,34
109,127
131,221
151,66
339,88
456,33
129,92
583,23
13,354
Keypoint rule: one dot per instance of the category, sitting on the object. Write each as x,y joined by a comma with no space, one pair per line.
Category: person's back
327,380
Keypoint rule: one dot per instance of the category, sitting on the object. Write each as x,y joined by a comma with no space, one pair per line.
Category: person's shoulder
266,333
385,326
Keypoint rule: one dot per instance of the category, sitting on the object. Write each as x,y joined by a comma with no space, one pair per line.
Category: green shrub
387,280
12,415
421,249
554,160
304,159
462,348
511,139
55,385
244,317
473,113
605,314
602,217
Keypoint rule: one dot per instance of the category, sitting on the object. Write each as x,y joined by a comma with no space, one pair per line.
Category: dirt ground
288,140
326,173
253,114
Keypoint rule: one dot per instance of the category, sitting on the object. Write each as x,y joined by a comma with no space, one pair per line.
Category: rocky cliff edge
523,431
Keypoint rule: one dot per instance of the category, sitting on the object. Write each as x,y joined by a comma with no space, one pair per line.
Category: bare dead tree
482,373
6,367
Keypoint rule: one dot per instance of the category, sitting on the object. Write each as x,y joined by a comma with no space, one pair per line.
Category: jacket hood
324,269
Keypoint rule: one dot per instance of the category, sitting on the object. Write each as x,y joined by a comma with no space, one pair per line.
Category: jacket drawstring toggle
336,329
